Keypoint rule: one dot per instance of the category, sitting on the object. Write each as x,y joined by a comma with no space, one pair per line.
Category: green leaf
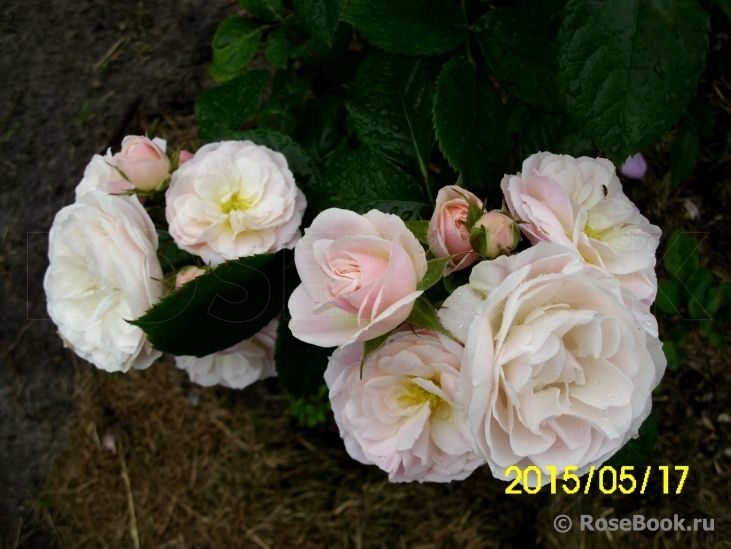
669,296
302,167
726,5
638,451
626,74
409,27
424,316
276,48
681,255
372,345
666,9
696,289
434,272
234,46
521,51
685,153
364,180
319,17
392,110
169,254
471,127
218,309
558,133
229,105
268,10
420,230
671,355
718,297
321,125
300,366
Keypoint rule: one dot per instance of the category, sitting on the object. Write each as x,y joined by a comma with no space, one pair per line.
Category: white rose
238,366
100,174
560,360
234,199
406,414
579,203
103,271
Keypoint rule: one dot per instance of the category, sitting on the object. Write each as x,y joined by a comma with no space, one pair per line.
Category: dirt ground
147,459
75,76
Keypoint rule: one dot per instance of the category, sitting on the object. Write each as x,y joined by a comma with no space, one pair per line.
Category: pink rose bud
448,233
143,162
184,157
186,274
494,234
635,167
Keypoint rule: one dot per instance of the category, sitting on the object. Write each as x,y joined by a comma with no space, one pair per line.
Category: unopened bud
143,162
186,274
184,157
494,234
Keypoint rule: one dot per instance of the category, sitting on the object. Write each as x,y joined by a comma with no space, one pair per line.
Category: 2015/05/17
608,479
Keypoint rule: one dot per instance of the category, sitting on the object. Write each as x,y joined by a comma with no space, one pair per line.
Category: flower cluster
545,357
227,200
542,355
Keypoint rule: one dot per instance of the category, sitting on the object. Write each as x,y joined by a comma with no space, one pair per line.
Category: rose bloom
406,414
448,234
359,275
103,271
238,366
143,161
234,199
560,360
186,274
579,203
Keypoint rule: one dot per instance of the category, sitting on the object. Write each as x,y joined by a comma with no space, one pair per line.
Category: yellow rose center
237,202
418,396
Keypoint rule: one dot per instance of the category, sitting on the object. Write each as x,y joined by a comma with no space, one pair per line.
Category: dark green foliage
226,107
276,49
409,27
300,366
471,126
269,10
321,125
320,17
234,46
363,180
392,110
521,51
218,309
626,74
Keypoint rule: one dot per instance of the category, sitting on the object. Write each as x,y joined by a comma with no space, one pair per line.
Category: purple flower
635,167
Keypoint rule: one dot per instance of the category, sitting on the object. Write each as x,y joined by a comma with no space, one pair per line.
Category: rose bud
448,233
186,274
184,157
494,234
143,162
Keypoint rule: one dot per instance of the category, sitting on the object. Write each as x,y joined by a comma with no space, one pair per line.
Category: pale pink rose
560,360
234,199
359,275
184,157
448,234
238,366
579,203
186,274
406,414
500,235
144,162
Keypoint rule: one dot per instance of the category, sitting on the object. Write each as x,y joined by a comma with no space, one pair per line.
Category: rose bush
234,199
238,366
359,275
406,413
579,203
560,360
103,271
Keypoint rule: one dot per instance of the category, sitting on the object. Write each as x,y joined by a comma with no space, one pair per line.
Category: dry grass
236,472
